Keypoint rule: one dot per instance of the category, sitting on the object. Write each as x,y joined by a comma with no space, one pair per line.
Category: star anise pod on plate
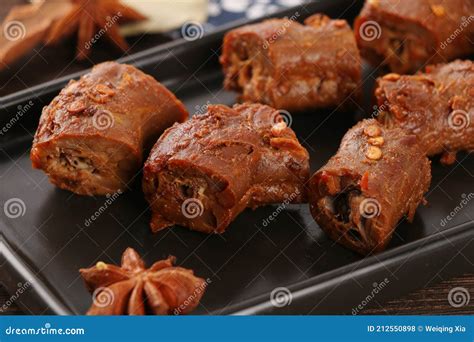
91,19
132,289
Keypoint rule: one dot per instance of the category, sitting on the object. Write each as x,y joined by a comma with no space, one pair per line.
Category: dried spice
438,10
391,77
134,290
87,18
373,153
376,141
26,26
372,131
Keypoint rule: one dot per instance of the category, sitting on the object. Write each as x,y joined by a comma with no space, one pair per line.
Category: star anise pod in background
26,26
90,18
134,290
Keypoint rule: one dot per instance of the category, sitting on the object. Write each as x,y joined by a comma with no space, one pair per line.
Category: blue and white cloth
224,11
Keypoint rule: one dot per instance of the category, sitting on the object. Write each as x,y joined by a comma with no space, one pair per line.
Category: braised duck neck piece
437,106
405,35
132,289
376,177
292,66
202,173
92,137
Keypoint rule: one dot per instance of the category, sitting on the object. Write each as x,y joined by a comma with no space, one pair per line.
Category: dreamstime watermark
465,22
110,21
384,109
192,298
201,109
110,199
14,30
21,288
378,110
377,287
21,110
280,31
282,116
14,208
45,330
369,208
280,297
103,297
370,30
282,206
103,120
458,120
458,297
192,30
192,208
466,198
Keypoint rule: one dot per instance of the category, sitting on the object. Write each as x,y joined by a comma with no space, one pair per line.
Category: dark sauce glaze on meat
377,176
92,138
436,105
292,66
405,35
202,173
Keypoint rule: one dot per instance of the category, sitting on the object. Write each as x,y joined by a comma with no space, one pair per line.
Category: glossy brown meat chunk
406,35
202,173
377,176
292,66
92,137
437,106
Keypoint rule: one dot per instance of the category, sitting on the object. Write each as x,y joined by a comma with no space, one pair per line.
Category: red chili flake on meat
448,158
323,176
364,181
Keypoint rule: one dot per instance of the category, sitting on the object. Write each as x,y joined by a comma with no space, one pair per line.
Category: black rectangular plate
49,243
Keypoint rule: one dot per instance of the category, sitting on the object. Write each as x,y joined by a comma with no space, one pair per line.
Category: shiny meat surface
437,106
292,66
202,173
92,137
406,35
377,176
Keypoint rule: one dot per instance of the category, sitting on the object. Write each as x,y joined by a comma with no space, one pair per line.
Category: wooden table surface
431,300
